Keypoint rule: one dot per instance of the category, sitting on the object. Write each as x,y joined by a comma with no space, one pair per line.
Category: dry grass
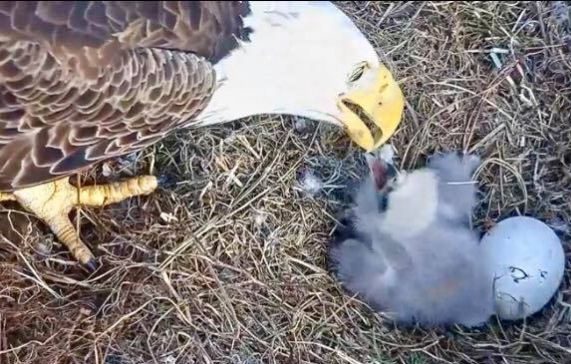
227,266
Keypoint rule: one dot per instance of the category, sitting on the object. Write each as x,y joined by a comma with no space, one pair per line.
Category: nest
227,263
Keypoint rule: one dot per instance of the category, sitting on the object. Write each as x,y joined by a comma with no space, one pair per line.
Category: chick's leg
52,202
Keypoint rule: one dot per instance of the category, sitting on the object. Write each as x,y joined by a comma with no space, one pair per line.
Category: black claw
91,265
165,181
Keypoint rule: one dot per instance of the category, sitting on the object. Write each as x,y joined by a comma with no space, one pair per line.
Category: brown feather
81,82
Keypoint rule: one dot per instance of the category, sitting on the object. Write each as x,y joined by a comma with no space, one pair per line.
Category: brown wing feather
81,82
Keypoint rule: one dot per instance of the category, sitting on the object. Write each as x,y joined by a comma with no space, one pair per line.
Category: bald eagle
85,81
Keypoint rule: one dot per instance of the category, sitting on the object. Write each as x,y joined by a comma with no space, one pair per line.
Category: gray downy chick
407,248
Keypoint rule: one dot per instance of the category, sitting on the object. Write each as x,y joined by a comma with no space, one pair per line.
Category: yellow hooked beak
378,95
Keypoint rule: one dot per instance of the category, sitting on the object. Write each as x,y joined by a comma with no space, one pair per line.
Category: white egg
528,262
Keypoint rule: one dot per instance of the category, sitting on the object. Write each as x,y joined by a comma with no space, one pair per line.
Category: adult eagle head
306,59
85,81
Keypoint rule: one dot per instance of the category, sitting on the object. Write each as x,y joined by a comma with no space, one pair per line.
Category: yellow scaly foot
52,202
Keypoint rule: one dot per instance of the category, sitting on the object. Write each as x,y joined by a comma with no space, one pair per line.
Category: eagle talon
53,201
91,265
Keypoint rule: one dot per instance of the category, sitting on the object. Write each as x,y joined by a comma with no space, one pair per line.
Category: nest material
227,264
